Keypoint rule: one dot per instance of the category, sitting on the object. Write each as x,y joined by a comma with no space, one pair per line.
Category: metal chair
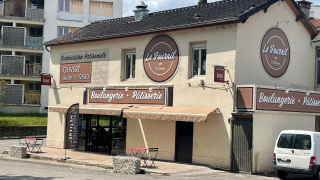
154,151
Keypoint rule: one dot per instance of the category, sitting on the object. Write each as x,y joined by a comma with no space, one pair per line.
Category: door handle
292,151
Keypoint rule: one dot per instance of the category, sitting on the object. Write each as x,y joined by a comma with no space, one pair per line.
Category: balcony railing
17,8
13,94
35,14
35,42
16,37
16,66
32,98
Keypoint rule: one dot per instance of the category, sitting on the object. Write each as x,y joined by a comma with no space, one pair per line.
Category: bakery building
210,84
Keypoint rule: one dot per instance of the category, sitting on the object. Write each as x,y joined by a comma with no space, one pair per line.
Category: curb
77,162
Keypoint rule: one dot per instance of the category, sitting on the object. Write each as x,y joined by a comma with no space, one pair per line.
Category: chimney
305,6
141,11
202,2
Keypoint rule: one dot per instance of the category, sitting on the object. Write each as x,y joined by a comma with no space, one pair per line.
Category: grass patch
108,167
165,174
33,119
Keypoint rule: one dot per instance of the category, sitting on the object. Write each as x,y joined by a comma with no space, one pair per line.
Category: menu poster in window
72,127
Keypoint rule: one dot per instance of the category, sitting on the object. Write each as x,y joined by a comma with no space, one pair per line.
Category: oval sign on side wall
275,52
161,58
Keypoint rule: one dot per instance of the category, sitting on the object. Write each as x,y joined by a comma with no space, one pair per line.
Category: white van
297,151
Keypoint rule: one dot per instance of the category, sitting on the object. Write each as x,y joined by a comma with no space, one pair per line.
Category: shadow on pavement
11,176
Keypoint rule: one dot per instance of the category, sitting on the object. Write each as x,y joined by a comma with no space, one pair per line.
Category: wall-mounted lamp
150,89
103,90
126,89
288,22
287,90
308,93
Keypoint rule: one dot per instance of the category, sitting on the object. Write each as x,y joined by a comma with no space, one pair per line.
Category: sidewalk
102,160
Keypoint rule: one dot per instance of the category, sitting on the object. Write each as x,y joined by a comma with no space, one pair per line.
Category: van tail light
274,156
313,160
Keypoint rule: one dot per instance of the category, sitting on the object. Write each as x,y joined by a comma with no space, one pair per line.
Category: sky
160,5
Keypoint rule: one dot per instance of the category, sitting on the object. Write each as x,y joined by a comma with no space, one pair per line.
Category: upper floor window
36,31
64,5
100,8
199,56
130,64
35,59
318,64
62,31
34,86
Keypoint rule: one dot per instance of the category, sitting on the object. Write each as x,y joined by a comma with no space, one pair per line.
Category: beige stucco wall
266,129
221,44
249,69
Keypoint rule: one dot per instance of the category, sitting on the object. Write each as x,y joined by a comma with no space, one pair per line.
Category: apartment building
25,25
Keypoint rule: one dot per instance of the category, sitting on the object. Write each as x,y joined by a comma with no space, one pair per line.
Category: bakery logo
275,52
161,58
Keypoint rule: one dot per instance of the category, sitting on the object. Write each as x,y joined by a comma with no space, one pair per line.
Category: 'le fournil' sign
278,100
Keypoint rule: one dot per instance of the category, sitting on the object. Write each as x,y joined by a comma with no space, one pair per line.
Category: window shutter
76,6
94,8
106,9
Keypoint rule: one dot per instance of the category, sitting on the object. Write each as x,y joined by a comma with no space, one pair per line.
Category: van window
285,141
302,141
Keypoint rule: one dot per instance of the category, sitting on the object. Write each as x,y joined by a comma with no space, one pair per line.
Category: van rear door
283,149
303,151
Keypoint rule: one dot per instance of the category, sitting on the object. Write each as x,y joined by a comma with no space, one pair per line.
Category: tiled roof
210,13
315,22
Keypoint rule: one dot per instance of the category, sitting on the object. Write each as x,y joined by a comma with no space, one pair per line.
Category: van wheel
282,174
316,175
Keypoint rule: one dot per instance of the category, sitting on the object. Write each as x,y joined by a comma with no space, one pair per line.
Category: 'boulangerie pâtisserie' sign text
132,96
279,100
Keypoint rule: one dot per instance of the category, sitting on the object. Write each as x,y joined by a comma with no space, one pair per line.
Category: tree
3,86
202,2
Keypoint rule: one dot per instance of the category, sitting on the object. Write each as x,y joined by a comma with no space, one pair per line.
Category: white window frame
198,47
34,86
63,33
317,64
35,59
131,53
64,6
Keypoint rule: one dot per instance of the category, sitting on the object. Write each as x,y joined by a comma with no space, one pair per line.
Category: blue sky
159,5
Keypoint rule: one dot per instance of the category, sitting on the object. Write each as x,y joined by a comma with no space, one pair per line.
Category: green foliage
202,2
165,174
3,86
23,119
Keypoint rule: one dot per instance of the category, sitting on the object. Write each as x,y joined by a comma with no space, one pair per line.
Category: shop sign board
132,96
75,73
84,56
72,127
245,98
293,101
219,73
161,58
275,52
46,79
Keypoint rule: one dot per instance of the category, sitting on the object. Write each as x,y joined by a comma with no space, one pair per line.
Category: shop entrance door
241,146
184,141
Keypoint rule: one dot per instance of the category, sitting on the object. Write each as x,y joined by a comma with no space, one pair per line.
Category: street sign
219,73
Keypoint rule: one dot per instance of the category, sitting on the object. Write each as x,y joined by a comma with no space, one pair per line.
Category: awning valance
105,109
189,114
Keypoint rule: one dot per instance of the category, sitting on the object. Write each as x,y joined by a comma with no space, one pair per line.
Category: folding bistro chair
37,146
153,157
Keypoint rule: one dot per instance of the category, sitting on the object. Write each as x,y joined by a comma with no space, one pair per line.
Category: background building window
62,31
318,64
35,59
130,64
34,86
100,8
199,56
36,31
64,5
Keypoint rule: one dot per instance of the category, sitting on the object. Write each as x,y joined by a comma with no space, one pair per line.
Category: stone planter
18,151
126,165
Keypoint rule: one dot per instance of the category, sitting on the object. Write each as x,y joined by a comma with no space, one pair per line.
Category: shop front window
318,65
199,56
